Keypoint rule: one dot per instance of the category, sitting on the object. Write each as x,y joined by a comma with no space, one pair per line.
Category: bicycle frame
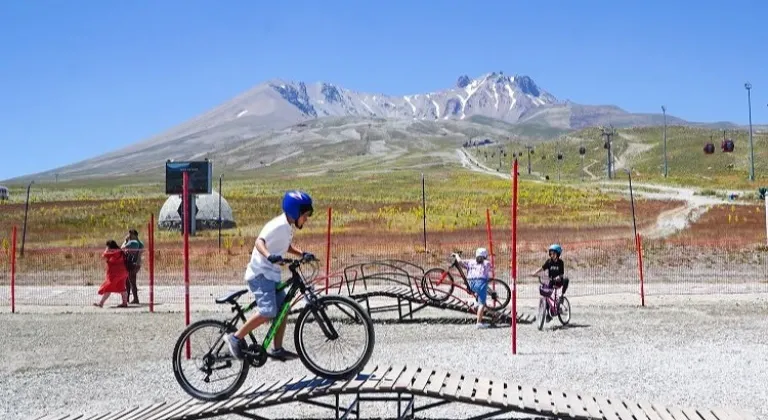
551,300
294,285
457,266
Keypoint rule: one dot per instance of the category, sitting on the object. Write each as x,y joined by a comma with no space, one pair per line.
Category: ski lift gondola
709,148
582,150
727,145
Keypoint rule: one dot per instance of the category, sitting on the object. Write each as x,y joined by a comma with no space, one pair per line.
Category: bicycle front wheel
564,311
498,293
334,337
210,363
542,312
437,284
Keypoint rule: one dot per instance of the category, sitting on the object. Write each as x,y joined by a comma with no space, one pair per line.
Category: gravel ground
701,352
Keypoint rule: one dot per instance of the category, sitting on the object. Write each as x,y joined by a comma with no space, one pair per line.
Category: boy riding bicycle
263,275
555,269
478,273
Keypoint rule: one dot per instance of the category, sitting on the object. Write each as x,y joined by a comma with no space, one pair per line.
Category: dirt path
473,164
677,219
667,223
588,172
468,161
633,149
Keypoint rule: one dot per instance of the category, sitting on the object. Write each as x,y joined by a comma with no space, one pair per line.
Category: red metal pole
639,246
514,256
151,231
328,252
13,270
490,243
185,205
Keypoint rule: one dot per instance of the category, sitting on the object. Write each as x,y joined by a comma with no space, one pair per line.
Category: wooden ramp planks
416,381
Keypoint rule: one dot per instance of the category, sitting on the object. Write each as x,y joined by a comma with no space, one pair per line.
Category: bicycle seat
232,297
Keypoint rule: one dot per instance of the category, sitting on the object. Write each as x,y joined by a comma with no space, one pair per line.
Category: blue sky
84,77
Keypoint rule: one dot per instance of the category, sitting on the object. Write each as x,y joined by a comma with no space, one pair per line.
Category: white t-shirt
277,234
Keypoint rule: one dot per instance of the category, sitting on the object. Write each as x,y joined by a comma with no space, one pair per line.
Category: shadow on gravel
543,353
570,326
430,321
115,307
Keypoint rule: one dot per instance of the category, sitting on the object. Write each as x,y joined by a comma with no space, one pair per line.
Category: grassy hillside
642,150
365,204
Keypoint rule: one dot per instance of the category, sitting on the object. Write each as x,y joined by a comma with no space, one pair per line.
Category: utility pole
608,134
664,111
529,147
748,86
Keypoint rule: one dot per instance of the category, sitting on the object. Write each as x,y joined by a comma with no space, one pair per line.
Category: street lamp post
748,86
664,111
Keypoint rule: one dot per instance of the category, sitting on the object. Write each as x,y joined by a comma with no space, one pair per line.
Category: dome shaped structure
207,216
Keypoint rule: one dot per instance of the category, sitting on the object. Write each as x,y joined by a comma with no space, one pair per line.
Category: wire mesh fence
72,276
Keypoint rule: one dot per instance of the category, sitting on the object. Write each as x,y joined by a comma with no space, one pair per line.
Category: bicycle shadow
318,383
570,326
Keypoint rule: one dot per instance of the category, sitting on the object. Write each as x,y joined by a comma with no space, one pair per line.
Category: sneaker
236,346
481,325
282,354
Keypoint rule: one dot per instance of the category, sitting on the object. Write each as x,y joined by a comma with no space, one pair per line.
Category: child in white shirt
262,275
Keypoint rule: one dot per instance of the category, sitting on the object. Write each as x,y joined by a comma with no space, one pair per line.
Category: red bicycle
438,285
550,305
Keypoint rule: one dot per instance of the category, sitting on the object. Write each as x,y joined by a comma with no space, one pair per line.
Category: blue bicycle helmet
557,248
296,203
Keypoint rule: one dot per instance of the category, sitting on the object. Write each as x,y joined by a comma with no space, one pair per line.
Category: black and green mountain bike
333,336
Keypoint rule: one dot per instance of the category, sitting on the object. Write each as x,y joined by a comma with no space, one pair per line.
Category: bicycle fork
320,314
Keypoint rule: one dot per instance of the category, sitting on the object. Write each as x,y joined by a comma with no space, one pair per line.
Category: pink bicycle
550,305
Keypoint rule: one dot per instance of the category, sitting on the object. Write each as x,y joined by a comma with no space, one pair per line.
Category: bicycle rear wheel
345,330
499,294
564,311
213,359
437,284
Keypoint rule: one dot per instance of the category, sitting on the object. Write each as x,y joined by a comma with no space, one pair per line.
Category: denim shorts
480,287
268,299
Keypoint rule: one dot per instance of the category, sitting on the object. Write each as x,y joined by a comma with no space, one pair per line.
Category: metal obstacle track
401,385
410,302
400,280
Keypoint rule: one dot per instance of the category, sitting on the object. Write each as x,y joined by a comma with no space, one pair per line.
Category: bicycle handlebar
296,261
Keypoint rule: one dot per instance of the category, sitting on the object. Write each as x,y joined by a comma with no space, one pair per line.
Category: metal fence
72,276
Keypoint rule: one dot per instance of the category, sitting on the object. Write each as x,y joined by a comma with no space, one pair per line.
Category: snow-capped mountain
492,95
273,117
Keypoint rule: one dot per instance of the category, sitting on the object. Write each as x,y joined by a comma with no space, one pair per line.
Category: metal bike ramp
400,281
403,385
409,302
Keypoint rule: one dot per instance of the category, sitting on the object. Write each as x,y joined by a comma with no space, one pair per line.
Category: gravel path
709,352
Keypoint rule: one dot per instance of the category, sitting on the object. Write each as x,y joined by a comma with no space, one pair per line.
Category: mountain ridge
278,104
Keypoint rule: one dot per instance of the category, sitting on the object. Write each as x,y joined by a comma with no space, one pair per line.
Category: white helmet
481,252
